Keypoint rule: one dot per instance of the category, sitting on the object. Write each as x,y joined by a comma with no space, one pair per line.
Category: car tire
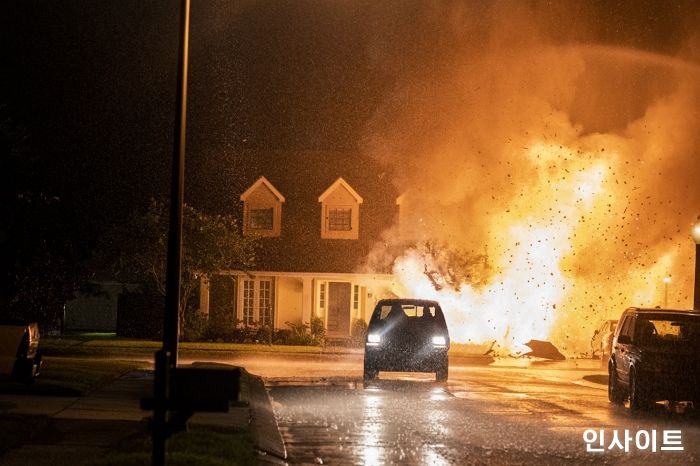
442,372
24,371
638,399
615,394
370,371
38,363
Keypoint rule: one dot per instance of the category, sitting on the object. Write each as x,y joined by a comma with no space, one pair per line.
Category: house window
356,297
248,302
339,219
262,209
265,300
259,301
322,296
340,211
260,219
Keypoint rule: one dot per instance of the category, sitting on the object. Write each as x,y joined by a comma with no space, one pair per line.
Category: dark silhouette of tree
211,244
39,250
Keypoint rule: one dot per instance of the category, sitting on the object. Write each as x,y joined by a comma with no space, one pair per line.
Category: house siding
289,302
303,255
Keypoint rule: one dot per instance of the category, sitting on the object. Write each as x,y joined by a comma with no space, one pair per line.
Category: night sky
92,83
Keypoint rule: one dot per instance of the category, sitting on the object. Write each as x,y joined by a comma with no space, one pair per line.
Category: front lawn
62,376
200,445
16,429
126,347
59,377
205,445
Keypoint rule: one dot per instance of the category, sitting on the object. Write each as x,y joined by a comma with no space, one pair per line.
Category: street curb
266,433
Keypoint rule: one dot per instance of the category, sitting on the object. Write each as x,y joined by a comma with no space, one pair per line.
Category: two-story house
316,224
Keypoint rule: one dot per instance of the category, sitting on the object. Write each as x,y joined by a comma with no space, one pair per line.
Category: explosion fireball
573,166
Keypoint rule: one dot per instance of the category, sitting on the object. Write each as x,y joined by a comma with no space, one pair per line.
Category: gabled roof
302,176
340,182
262,181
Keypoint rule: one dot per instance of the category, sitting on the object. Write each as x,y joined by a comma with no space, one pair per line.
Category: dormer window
339,218
262,209
261,219
340,211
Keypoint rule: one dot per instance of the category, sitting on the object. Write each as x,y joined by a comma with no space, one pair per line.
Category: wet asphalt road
483,415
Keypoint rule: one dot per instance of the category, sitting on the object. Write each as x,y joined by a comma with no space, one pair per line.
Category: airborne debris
543,349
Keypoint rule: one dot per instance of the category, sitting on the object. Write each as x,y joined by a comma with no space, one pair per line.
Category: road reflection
495,416
371,430
395,420
377,425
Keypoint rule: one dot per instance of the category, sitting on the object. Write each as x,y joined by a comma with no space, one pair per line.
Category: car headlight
439,341
373,339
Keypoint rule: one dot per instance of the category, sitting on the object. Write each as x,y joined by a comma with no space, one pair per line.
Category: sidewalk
82,429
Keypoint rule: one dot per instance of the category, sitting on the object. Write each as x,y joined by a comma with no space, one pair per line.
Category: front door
338,309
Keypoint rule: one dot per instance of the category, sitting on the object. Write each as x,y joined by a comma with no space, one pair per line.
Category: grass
71,376
15,429
200,445
59,377
79,345
108,344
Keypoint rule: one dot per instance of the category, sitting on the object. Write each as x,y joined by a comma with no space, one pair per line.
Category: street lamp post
696,236
667,280
166,357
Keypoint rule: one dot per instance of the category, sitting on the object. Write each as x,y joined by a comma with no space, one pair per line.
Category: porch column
204,295
306,299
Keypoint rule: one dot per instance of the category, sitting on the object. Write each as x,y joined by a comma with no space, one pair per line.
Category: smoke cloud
573,163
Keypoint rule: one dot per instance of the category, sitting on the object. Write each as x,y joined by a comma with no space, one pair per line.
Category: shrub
225,330
318,329
195,328
358,332
283,336
140,314
298,334
264,334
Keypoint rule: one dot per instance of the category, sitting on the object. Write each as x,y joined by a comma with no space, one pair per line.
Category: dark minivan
655,356
407,335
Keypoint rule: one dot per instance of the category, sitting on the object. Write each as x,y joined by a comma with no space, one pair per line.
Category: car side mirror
624,339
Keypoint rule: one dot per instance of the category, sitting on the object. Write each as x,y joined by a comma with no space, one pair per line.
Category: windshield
409,312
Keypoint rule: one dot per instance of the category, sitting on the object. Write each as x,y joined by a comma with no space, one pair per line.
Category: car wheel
370,372
24,371
638,399
615,394
38,363
442,372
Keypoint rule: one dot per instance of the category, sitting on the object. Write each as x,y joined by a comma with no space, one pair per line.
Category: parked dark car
20,358
601,342
407,335
655,357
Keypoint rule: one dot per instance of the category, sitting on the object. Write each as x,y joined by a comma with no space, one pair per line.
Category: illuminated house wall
326,219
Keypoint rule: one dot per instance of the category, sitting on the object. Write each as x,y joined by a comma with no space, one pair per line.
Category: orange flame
529,243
